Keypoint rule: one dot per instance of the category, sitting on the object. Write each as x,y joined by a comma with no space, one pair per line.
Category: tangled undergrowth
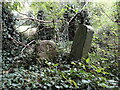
98,71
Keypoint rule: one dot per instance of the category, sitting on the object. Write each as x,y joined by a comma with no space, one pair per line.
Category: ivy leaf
94,66
105,72
73,82
86,81
88,60
100,69
103,85
55,65
64,76
73,63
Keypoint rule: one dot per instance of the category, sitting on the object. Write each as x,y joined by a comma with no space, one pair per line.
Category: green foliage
98,71
57,76
14,5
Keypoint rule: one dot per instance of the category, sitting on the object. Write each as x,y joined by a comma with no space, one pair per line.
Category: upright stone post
82,41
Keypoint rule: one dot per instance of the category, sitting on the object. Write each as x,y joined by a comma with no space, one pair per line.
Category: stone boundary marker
82,41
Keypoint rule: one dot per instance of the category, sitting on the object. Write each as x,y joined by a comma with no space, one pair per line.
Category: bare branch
22,44
28,45
26,29
107,15
68,23
22,24
118,22
17,42
77,13
22,13
30,18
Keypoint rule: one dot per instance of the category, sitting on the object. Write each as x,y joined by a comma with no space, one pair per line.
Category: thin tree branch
22,24
107,15
17,42
22,13
27,29
22,44
30,18
27,46
118,22
68,23
77,13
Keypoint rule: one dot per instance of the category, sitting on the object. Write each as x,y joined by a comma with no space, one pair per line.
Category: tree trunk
0,44
118,23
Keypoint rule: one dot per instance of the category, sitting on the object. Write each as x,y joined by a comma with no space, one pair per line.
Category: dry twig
22,44
30,18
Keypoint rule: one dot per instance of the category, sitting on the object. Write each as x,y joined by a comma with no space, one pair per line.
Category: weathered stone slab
82,41
87,45
46,49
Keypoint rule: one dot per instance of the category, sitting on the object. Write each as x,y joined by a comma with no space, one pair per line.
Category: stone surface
88,41
82,41
46,49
